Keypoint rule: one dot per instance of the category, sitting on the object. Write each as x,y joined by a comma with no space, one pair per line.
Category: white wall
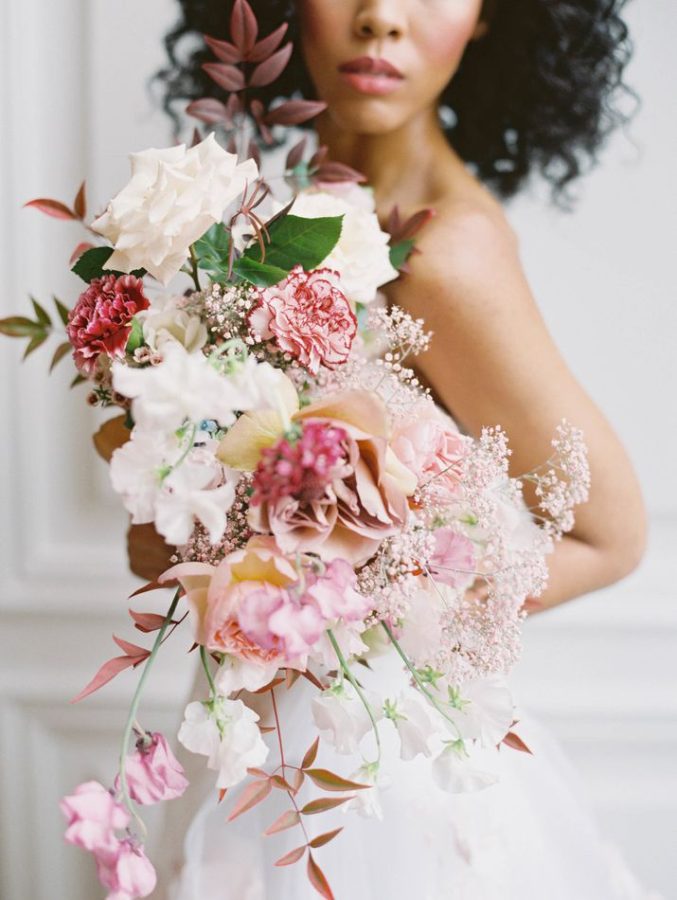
602,672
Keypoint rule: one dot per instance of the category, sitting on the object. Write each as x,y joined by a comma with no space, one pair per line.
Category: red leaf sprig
248,62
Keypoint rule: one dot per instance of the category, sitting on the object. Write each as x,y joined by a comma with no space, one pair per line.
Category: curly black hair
537,93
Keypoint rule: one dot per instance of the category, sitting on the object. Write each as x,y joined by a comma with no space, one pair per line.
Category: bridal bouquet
324,511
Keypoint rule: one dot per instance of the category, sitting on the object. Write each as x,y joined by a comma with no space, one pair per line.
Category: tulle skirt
528,837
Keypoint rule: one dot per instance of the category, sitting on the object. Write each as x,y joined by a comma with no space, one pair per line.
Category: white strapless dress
529,837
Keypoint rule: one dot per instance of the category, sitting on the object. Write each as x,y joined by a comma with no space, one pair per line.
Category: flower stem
205,666
133,710
358,690
194,271
417,678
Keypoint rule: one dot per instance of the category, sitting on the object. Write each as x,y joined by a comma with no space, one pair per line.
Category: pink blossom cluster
99,823
302,465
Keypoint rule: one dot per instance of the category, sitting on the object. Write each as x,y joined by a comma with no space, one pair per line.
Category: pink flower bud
127,873
153,772
93,817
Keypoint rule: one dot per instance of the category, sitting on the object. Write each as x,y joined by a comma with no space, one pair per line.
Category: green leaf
41,313
324,804
77,380
400,253
296,241
212,251
62,309
59,354
20,326
258,273
91,265
135,338
36,341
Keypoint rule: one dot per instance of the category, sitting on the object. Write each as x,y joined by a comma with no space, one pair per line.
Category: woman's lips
371,76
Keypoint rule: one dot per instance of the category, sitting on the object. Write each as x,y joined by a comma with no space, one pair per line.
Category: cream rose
173,198
362,255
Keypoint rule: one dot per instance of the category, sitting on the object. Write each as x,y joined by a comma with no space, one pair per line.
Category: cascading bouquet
324,510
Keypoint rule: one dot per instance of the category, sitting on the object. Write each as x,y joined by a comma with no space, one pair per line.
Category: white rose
236,674
342,718
227,734
362,255
457,771
420,727
173,198
167,321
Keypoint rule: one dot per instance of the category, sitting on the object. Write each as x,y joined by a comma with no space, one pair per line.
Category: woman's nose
380,19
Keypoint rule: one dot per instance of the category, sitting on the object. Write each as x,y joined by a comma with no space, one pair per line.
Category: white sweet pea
457,770
483,710
226,732
166,321
135,471
342,718
348,636
183,386
235,674
420,727
188,494
362,255
173,198
367,803
421,633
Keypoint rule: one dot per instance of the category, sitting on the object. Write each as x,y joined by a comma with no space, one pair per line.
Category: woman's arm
492,361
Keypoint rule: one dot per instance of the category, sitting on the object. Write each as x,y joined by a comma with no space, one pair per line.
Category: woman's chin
370,116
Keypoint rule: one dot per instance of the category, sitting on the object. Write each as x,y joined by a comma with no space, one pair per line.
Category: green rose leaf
135,339
296,241
258,273
212,251
400,253
91,265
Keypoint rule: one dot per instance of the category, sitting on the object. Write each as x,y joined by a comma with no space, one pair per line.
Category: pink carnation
153,772
101,320
453,559
93,818
309,317
127,873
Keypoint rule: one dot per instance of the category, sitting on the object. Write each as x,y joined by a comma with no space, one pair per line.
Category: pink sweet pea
153,772
127,873
453,560
93,817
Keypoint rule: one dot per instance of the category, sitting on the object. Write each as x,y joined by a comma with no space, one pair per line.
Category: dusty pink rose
127,873
101,320
453,560
153,772
291,620
309,317
93,818
431,446
364,502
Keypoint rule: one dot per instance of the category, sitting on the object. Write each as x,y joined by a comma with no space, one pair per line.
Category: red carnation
101,320
308,317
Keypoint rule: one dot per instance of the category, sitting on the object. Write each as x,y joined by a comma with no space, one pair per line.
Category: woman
529,82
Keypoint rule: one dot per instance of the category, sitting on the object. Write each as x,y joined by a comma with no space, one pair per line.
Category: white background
602,672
